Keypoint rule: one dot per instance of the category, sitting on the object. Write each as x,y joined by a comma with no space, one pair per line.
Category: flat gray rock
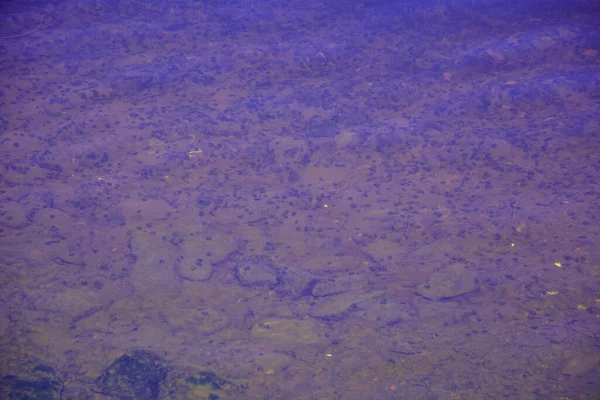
581,364
194,269
451,281
257,270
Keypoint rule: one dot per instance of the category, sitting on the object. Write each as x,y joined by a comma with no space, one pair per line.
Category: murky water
299,200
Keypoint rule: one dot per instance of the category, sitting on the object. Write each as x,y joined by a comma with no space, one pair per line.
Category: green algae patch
40,383
139,375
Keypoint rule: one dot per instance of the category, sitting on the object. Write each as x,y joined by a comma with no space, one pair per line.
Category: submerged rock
451,281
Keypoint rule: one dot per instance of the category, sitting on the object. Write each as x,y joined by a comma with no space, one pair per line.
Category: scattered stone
333,286
190,382
319,127
272,361
13,214
372,306
333,308
199,320
347,138
286,333
201,251
154,261
194,269
451,281
257,270
298,283
581,364
139,375
381,312
40,383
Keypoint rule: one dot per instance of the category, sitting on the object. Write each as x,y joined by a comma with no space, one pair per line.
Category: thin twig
512,218
26,33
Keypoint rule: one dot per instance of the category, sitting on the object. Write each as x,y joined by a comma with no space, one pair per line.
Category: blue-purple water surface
299,200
